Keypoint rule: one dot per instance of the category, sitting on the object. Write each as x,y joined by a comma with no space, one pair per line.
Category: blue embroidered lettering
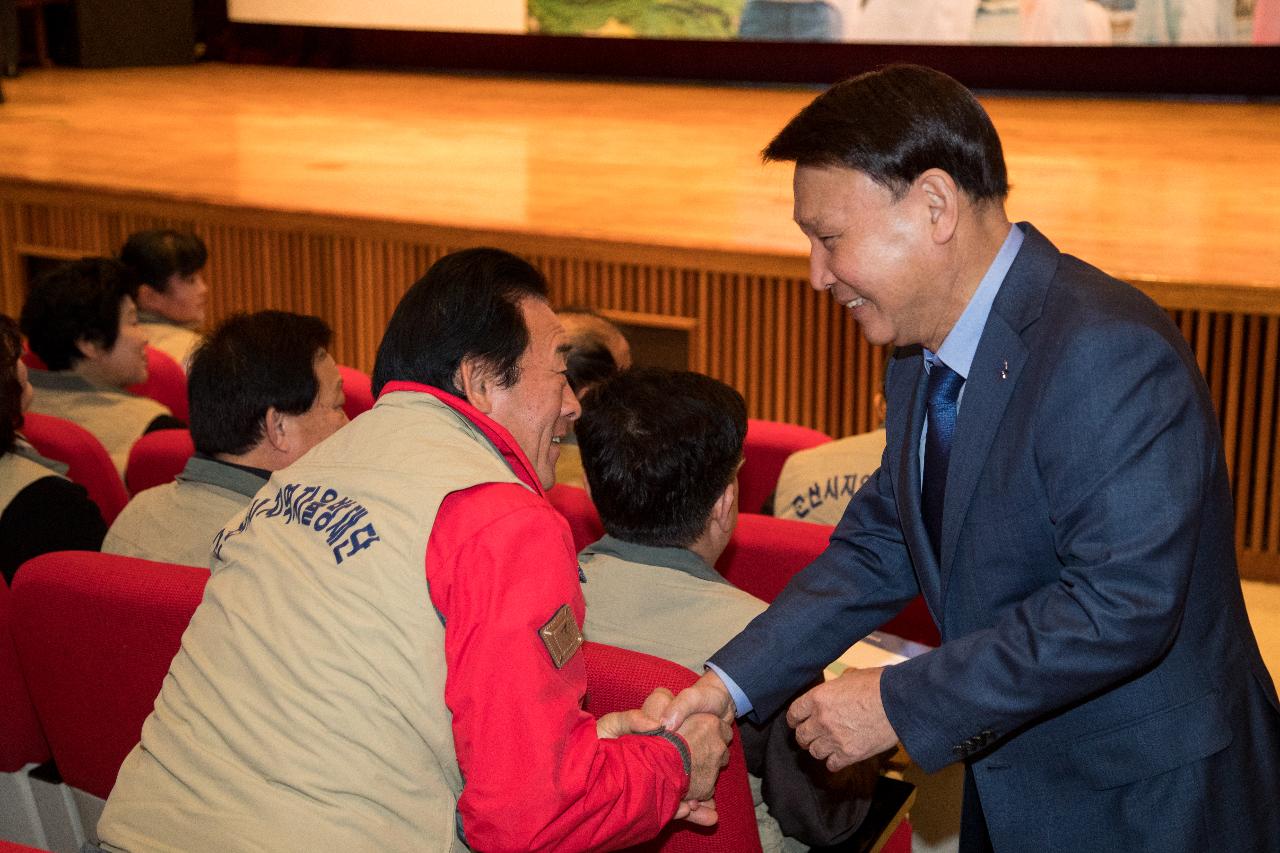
355,542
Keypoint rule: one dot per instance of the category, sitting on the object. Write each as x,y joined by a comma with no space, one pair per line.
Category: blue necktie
944,391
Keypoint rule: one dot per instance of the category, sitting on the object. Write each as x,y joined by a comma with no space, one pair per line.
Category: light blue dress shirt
957,352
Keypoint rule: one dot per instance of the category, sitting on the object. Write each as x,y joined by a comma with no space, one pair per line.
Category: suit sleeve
862,579
535,775
1125,445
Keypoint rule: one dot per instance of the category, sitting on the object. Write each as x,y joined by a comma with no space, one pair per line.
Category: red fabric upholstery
21,738
166,383
617,680
95,635
765,552
358,388
89,464
900,840
576,506
156,458
10,847
767,446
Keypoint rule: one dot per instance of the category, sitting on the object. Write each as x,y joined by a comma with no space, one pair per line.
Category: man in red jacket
386,656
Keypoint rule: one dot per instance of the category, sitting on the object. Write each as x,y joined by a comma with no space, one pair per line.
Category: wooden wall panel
753,322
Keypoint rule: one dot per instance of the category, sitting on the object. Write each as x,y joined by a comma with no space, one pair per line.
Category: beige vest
115,417
670,614
177,342
177,522
21,467
305,710
817,484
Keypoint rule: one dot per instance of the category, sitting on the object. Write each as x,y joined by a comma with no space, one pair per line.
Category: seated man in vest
80,321
816,484
597,350
399,611
171,292
263,391
650,585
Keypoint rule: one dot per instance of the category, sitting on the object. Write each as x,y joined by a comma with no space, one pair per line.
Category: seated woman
81,322
171,292
40,509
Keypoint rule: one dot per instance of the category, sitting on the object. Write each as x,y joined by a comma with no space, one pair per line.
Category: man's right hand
708,738
708,695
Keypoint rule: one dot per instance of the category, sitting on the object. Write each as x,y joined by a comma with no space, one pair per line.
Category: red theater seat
618,680
86,458
157,458
358,388
21,738
767,446
765,552
576,506
166,383
95,635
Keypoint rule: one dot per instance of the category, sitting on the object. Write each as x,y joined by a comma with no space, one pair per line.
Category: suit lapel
993,376
908,492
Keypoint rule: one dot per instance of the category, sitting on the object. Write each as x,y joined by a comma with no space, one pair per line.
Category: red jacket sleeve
500,563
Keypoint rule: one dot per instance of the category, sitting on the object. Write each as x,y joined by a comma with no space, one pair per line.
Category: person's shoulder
469,511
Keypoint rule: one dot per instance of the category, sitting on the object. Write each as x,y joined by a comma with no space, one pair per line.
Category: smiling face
182,301
539,407
874,254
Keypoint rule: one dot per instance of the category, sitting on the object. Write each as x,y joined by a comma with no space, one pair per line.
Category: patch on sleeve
561,636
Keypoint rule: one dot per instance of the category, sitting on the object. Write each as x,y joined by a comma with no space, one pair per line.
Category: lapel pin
1004,371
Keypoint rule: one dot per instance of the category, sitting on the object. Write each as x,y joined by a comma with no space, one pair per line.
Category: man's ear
722,510
89,349
476,381
276,429
942,197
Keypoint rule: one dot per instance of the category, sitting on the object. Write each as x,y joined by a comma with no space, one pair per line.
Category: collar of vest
66,380
214,472
161,320
23,448
495,432
677,559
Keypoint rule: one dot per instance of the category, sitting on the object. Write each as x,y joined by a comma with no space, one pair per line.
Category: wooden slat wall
756,323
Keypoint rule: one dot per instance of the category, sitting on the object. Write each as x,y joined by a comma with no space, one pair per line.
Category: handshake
703,716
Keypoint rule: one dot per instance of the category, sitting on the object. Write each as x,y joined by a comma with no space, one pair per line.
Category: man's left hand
843,721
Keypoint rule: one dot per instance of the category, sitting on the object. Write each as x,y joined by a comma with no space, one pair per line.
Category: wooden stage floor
1148,190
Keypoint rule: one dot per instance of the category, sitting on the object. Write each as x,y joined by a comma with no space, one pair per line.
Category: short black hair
659,447
77,301
895,124
156,255
10,387
250,363
589,360
466,306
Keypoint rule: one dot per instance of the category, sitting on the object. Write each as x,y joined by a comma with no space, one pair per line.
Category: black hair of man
895,124
10,387
250,363
466,306
156,255
77,301
659,447
589,360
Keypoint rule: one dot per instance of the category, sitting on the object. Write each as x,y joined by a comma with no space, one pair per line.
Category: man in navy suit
1053,483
